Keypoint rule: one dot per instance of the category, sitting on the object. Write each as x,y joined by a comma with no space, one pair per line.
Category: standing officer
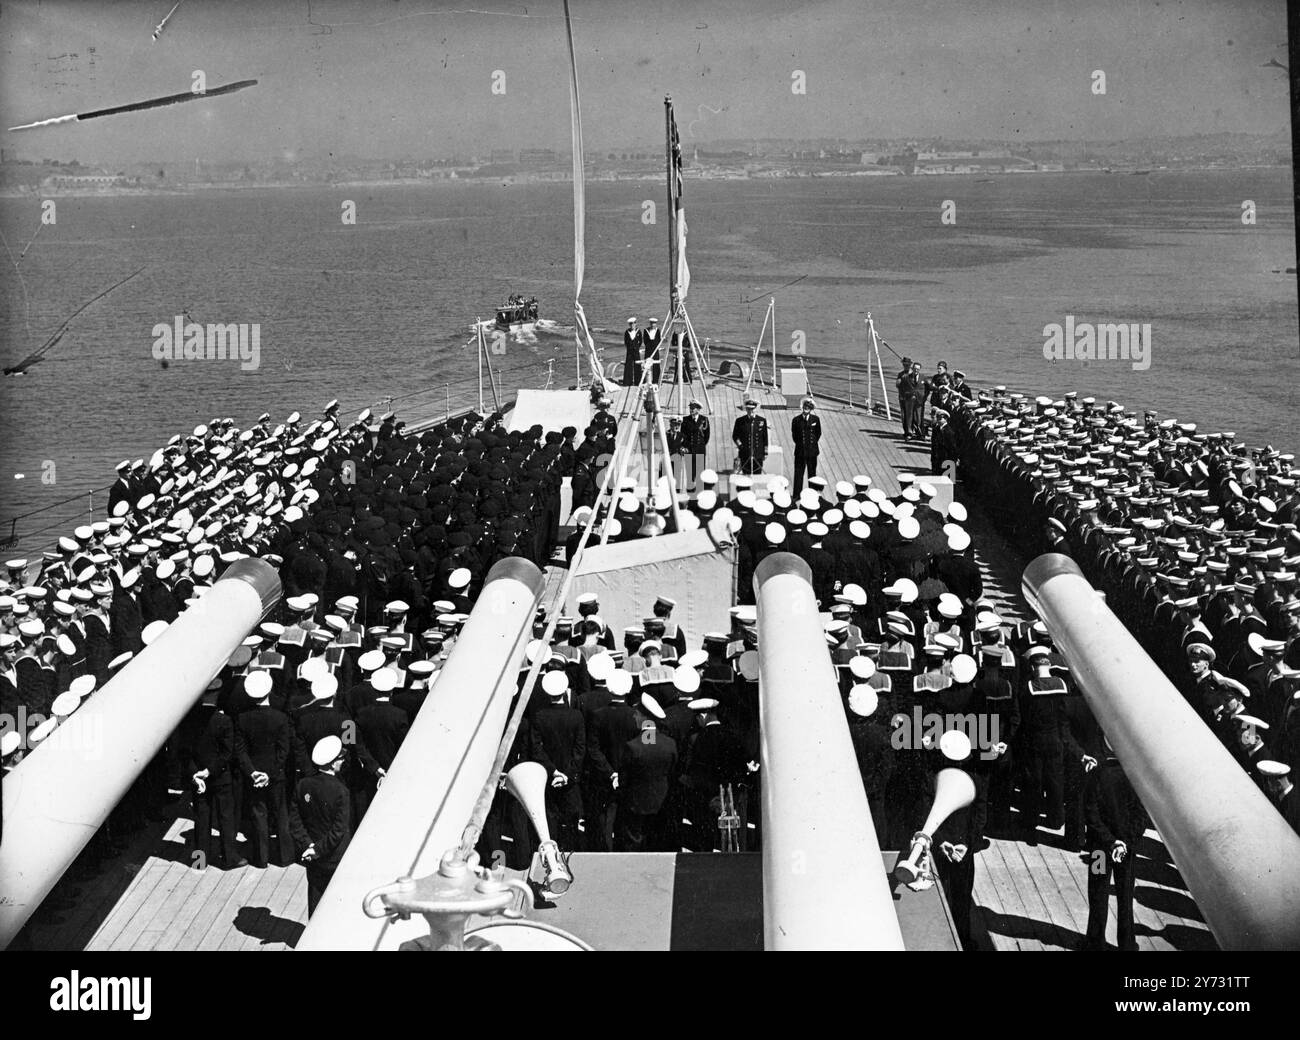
267,738
806,431
321,817
935,388
381,728
943,442
917,388
608,731
750,437
650,350
904,382
649,766
1041,745
211,744
602,422
1116,821
695,441
560,744
632,354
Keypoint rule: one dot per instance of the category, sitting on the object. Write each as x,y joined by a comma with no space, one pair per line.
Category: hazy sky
388,78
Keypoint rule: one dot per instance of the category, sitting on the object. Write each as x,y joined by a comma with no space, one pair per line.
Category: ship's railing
441,401
37,530
852,383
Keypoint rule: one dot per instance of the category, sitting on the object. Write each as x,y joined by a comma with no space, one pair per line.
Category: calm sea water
383,308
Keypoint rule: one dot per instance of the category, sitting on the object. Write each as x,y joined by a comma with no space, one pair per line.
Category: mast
582,334
672,209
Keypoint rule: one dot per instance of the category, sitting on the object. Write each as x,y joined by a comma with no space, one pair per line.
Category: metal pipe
652,409
675,508
1239,858
824,886
630,433
775,380
758,349
429,794
57,798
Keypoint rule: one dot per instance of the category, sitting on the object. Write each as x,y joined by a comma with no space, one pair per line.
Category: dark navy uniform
649,766
267,740
806,430
212,743
695,442
632,357
649,345
1114,813
750,436
1041,752
321,816
608,731
560,744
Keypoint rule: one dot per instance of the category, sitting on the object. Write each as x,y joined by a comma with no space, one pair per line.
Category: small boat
517,311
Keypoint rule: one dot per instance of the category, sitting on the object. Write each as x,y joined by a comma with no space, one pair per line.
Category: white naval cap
326,750
258,685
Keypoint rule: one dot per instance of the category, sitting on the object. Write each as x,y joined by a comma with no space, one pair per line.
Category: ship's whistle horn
954,790
527,782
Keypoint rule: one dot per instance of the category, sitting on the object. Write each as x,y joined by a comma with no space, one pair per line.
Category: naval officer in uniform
695,442
750,437
650,350
632,339
1116,821
806,431
321,818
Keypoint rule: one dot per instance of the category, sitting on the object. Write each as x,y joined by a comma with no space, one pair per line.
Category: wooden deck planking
165,913
293,915
1060,879
88,900
170,875
194,919
1011,904
281,918
1026,863
258,913
132,903
1072,903
223,922
1036,908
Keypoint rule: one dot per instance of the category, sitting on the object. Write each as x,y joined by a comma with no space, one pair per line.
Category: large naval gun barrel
428,795
1240,859
824,886
57,797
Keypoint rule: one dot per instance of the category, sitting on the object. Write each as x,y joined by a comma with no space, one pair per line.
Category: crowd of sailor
363,510
383,538
930,675
1190,535
71,619
360,513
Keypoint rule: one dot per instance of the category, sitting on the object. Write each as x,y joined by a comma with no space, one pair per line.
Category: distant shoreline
522,180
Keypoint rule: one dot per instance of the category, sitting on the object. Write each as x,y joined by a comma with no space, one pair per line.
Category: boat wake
526,333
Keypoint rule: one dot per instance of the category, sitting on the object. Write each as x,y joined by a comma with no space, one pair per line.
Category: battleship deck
1026,897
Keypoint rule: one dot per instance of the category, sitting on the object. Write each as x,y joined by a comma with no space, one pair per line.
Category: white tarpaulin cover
629,575
551,410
